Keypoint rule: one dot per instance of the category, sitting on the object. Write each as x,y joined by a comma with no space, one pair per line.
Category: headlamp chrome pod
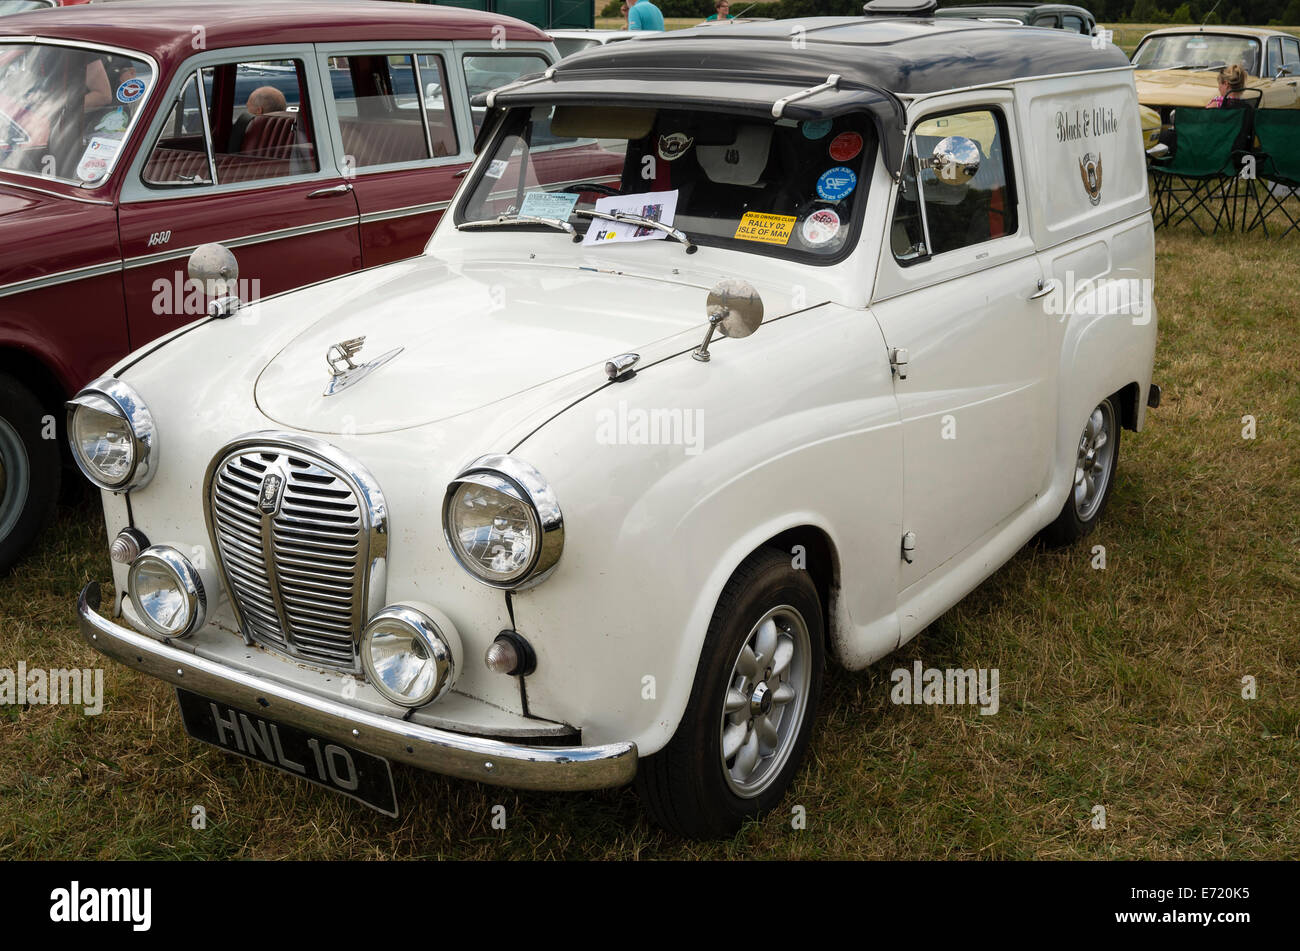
167,592
112,435
503,523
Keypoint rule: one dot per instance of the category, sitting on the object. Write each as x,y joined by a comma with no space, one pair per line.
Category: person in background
1232,80
261,100
721,11
644,15
622,11
98,93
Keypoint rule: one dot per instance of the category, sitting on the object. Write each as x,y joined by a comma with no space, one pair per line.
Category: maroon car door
237,156
402,130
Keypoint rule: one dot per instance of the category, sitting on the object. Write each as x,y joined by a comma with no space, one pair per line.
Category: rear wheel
29,470
751,711
1096,459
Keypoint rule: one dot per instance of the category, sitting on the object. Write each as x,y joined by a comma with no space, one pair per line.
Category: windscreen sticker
131,90
557,205
674,145
816,128
769,229
497,168
96,159
845,146
836,183
820,227
659,206
115,121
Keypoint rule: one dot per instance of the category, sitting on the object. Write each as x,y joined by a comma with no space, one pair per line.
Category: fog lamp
167,592
407,657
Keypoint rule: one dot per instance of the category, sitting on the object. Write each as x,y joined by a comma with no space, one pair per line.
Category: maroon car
314,138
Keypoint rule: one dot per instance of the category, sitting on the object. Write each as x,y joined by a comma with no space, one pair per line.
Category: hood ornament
346,373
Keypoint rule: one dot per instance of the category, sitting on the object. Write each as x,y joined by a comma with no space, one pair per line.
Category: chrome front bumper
441,751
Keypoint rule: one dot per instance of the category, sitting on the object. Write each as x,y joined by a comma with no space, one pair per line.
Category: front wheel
750,715
1096,459
29,470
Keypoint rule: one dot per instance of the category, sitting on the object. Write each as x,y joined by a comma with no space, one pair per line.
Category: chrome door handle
335,190
1043,289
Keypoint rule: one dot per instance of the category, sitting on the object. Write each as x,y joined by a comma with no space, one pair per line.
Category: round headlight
112,435
167,592
407,656
503,523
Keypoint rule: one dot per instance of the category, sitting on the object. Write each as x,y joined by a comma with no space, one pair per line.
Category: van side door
957,290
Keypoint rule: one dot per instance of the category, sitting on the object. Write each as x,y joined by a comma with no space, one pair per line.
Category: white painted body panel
802,424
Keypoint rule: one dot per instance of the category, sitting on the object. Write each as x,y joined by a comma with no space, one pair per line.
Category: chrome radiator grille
301,536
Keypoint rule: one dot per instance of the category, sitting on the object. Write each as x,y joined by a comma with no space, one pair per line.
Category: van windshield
780,187
65,112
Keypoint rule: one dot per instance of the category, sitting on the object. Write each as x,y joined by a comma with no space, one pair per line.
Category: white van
592,490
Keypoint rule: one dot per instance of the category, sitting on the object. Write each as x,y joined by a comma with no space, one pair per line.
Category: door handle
335,190
1043,289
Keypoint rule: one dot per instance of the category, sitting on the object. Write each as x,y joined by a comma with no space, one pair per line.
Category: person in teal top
721,11
644,15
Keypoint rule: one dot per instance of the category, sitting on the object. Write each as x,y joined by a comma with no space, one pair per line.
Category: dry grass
1120,687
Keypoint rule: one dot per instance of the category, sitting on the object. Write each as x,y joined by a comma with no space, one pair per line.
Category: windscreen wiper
641,220
503,220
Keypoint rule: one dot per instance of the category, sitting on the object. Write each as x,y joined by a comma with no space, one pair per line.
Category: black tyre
1094,476
752,706
30,469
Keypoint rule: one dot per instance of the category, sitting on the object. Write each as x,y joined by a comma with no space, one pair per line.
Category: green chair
1202,172
1278,166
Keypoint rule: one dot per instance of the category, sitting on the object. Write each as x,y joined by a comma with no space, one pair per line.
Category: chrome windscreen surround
531,487
144,435
300,530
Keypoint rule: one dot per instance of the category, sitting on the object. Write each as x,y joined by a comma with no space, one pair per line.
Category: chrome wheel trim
1095,462
15,477
765,701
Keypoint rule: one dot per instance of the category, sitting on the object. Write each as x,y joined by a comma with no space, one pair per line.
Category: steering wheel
593,187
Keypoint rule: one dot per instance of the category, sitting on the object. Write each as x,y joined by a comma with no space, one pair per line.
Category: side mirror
734,309
1282,71
955,160
213,266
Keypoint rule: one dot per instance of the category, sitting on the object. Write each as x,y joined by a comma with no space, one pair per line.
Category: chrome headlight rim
522,481
188,583
420,627
139,420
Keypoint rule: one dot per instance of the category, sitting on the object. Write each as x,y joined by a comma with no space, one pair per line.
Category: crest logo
1090,172
268,498
674,145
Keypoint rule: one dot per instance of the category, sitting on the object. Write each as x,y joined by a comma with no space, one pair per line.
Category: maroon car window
377,102
251,123
65,112
487,71
437,107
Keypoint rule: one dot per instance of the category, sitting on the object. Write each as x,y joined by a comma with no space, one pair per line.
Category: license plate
352,772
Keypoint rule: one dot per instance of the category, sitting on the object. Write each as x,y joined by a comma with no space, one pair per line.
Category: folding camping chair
1202,172
1278,159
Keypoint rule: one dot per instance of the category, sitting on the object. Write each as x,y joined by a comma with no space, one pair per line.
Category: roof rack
778,107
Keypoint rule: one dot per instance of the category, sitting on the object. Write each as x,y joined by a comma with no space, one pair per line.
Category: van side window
250,122
1274,57
938,208
1073,24
1291,55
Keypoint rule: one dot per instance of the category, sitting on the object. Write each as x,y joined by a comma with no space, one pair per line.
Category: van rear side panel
1083,140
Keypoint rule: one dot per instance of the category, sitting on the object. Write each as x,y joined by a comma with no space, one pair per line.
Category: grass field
1120,687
